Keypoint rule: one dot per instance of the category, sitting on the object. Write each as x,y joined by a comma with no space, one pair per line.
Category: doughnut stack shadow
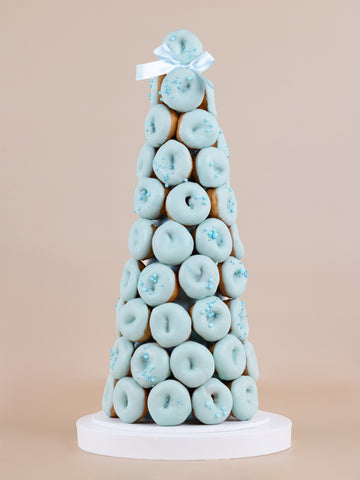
182,351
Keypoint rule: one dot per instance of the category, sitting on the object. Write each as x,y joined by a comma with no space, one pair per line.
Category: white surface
265,433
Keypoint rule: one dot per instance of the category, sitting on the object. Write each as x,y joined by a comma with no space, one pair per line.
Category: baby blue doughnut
157,284
150,365
222,144
129,279
140,238
107,399
184,44
133,320
210,100
149,198
211,318
212,238
239,320
119,305
212,167
252,368
188,204
120,355
158,125
172,163
169,403
145,161
192,364
129,400
199,276
170,324
154,91
198,129
182,90
234,277
245,398
226,204
238,247
212,402
229,357
172,243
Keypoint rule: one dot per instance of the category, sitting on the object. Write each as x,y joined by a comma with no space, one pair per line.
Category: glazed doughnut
120,355
155,83
197,129
149,365
134,320
129,279
199,277
233,278
223,204
169,403
188,204
211,318
140,239
245,398
157,284
160,125
144,166
238,247
170,324
192,364
221,143
182,90
229,357
252,368
172,163
210,100
211,167
118,306
212,238
239,319
149,198
107,399
212,402
172,243
129,400
184,44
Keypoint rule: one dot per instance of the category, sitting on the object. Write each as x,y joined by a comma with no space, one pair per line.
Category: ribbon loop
167,62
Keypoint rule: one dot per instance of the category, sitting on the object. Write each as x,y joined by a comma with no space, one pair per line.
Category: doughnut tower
182,351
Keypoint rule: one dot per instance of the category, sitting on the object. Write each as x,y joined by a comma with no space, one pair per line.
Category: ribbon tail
207,82
153,69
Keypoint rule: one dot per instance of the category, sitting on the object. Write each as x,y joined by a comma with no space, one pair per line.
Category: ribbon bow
168,62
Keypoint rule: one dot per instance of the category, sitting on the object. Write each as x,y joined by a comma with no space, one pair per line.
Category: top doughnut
184,44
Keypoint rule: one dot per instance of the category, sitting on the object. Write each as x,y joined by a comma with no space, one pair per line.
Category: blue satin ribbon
168,62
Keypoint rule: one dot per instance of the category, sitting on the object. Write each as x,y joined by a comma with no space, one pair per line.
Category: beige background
287,88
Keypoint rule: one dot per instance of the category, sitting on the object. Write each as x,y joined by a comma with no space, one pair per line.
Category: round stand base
265,433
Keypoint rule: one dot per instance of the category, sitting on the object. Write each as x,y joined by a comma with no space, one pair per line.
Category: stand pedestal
265,433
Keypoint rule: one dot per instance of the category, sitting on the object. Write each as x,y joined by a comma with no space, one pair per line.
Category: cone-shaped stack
182,349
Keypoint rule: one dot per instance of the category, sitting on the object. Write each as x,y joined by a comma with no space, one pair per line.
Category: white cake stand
266,433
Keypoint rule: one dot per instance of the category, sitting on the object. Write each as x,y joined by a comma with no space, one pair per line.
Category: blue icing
192,364
188,204
172,163
170,324
212,402
226,204
129,279
159,124
169,403
252,368
199,276
184,44
245,398
140,238
212,167
119,305
211,318
107,399
157,284
238,247
212,238
239,319
129,400
182,90
133,320
172,243
120,355
229,357
234,277
150,365
198,129
149,198
145,161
